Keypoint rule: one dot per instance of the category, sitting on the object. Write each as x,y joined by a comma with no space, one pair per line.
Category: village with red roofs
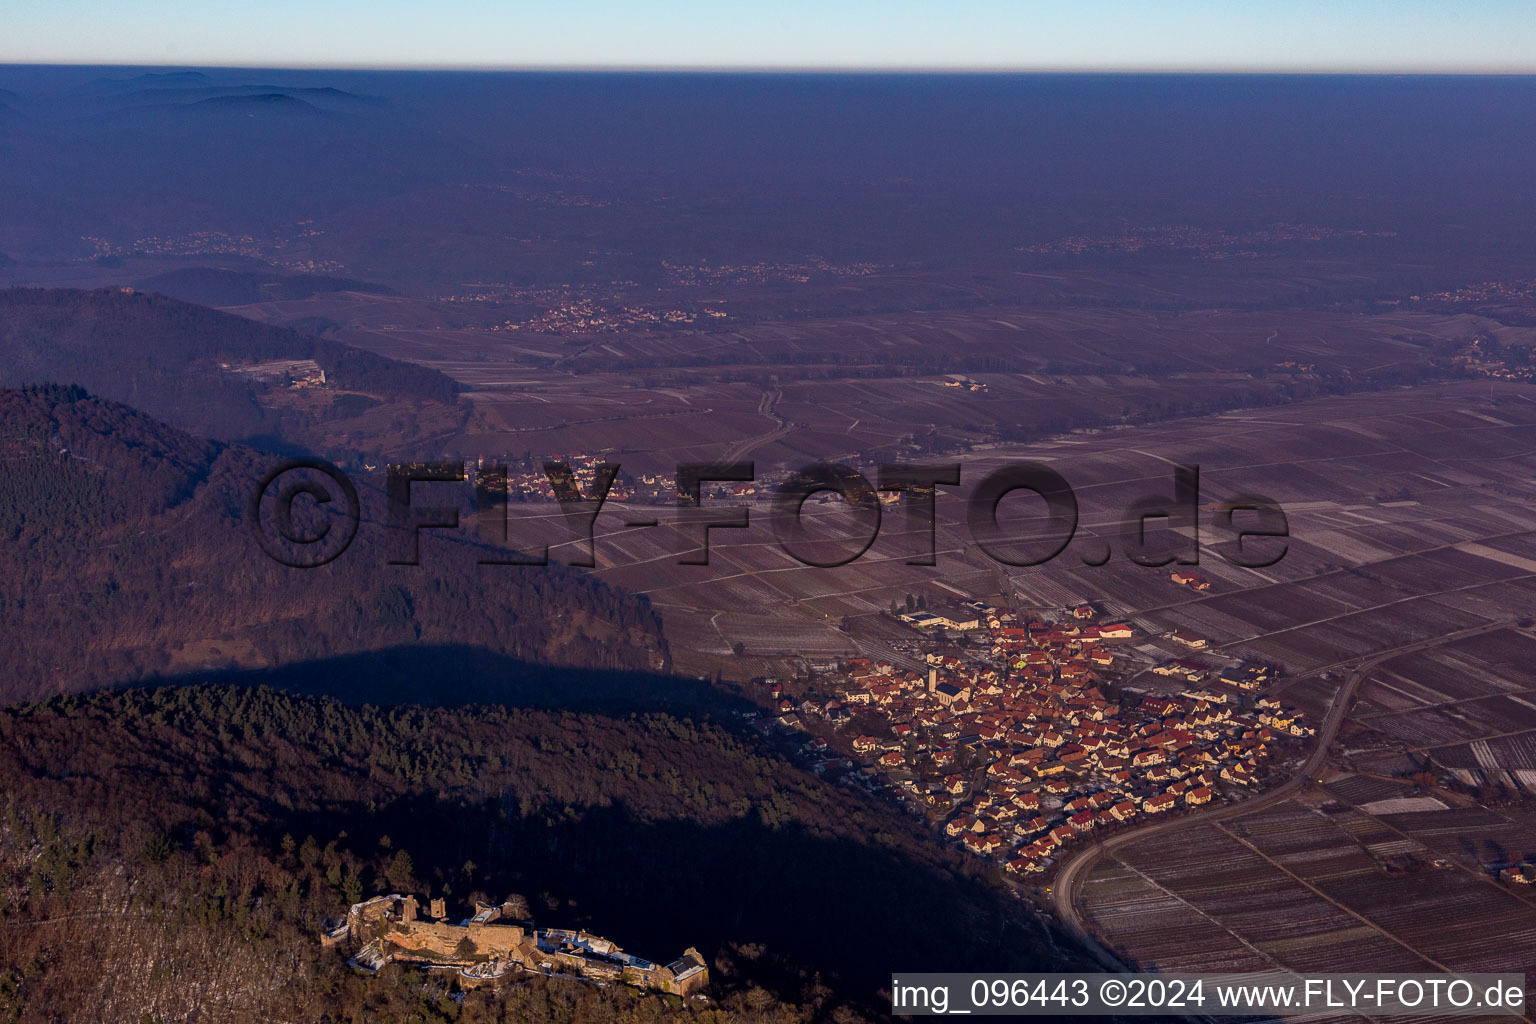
1018,736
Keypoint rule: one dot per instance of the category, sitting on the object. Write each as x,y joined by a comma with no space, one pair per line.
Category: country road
765,407
1065,893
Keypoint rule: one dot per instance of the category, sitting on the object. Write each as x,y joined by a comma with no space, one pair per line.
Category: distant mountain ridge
313,94
164,356
266,99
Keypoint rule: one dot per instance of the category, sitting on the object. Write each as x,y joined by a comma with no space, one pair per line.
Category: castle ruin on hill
493,945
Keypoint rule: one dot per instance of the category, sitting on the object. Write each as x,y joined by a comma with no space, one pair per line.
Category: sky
1470,36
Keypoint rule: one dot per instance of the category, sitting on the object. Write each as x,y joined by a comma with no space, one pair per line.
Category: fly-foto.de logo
306,513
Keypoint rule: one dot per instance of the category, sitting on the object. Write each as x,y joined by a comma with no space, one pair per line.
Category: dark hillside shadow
459,675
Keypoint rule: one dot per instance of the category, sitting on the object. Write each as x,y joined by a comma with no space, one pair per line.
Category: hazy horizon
776,69
1306,37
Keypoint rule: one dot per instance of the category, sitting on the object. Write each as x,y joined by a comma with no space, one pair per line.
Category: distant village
589,316
1201,241
277,250
527,482
968,383
496,943
761,272
1006,738
1487,358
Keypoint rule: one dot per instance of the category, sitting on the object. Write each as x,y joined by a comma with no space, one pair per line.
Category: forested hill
125,555
156,836
166,357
